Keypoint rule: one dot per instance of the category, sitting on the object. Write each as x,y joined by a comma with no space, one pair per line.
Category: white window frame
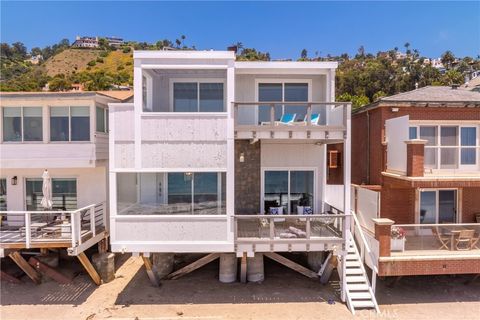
21,124
198,81
70,124
288,169
283,82
437,190
438,147
105,119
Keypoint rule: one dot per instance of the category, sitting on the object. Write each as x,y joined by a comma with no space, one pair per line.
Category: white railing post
104,215
28,230
92,220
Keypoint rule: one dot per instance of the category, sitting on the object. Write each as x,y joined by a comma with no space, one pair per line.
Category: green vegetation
361,79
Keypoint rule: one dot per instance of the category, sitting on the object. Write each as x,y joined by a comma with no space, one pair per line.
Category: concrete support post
255,270
162,264
228,268
104,263
315,260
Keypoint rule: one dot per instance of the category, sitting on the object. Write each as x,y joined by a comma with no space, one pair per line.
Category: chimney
415,157
232,48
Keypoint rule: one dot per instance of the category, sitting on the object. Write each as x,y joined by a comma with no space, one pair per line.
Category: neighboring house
67,135
421,150
92,42
35,59
210,152
85,42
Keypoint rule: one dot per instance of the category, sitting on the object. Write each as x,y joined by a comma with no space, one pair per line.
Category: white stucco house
212,149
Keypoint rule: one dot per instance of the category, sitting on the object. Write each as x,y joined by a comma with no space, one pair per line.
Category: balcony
76,230
291,120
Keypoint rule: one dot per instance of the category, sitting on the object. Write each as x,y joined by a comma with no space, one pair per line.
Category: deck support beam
28,269
6,277
152,275
49,271
193,266
290,264
89,268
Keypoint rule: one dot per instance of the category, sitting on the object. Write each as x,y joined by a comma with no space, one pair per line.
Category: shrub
100,60
91,63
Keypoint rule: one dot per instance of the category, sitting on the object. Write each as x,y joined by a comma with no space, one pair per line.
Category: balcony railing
310,116
435,239
63,228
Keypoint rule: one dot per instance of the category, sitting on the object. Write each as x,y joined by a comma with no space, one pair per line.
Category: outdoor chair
286,119
443,239
314,118
465,240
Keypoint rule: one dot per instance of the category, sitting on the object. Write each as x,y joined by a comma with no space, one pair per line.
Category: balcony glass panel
32,124
430,160
448,158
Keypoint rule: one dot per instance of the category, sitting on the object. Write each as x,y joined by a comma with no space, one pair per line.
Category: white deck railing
36,228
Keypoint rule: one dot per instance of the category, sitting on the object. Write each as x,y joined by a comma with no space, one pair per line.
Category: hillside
70,61
116,62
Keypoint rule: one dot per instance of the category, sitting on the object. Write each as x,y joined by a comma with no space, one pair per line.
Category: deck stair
358,292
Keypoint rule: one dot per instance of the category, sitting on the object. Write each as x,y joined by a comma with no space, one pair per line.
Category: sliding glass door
438,206
288,189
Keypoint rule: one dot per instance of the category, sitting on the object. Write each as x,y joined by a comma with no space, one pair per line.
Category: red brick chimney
415,157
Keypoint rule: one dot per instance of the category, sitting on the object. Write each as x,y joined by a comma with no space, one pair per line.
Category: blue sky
281,28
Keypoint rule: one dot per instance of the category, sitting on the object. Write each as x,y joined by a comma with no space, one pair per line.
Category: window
198,97
449,147
412,133
174,193
438,206
102,115
22,124
3,194
468,141
278,92
288,189
64,194
70,124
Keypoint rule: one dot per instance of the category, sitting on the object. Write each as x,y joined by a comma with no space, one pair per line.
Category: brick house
420,151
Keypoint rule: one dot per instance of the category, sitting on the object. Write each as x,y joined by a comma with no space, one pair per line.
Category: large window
22,124
175,193
64,193
288,189
70,124
448,147
279,92
438,206
198,97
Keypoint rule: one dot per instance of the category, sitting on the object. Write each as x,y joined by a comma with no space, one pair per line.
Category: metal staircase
358,292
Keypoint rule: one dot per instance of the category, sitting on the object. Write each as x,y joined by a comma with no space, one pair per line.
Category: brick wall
397,201
470,204
429,267
247,177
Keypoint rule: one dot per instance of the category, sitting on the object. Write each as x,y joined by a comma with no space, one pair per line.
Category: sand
283,295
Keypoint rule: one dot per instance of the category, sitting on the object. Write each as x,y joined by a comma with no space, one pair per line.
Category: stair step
351,279
354,271
363,304
357,287
360,295
352,263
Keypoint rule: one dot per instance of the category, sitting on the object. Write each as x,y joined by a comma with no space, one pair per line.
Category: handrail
437,225
291,216
51,211
365,245
295,103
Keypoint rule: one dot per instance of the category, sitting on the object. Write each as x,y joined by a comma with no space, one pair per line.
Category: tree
59,83
448,58
36,51
452,77
407,48
304,54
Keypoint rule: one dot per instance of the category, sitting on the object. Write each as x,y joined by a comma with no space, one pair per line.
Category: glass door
438,206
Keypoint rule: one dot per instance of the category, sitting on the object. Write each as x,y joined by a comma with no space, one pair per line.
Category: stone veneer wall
247,177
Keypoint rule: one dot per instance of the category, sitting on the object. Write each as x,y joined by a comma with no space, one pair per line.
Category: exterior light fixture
242,157
395,109
14,181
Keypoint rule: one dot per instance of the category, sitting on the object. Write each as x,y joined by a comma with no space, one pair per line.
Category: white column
138,105
347,168
230,187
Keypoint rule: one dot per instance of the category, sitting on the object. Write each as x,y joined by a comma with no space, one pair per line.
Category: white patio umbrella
46,202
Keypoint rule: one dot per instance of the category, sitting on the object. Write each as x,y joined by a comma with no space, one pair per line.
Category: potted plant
397,242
